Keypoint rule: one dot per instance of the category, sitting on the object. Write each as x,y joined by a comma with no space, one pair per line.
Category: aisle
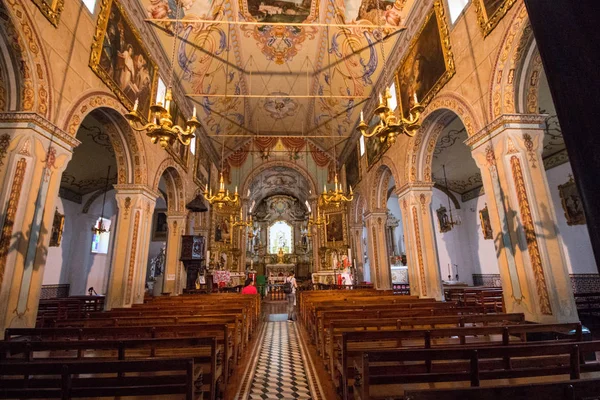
280,368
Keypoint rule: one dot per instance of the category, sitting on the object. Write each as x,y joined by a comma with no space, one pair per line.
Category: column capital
378,212
414,187
133,190
522,122
31,120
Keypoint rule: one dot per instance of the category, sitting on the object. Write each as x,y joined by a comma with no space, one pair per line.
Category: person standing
291,297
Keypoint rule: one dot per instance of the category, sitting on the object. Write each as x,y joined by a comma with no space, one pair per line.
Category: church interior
299,199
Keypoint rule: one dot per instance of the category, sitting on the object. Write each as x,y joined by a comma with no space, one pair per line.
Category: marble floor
281,364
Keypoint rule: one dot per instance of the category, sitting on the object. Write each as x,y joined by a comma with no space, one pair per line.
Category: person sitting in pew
249,287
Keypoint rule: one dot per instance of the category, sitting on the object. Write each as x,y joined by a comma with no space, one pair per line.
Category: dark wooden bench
77,379
384,374
352,345
584,389
203,351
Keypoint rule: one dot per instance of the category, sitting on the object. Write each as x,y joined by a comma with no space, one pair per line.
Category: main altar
277,272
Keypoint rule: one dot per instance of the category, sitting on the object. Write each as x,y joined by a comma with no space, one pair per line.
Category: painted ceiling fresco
281,79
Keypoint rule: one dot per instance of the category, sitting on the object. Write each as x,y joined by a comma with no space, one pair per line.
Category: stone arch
130,141
174,181
437,115
358,209
278,163
33,83
505,81
385,170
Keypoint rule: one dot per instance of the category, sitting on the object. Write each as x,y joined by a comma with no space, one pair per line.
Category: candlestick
362,118
349,254
194,113
415,97
135,105
208,255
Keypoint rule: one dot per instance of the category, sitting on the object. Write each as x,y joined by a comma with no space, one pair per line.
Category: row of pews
377,345
185,346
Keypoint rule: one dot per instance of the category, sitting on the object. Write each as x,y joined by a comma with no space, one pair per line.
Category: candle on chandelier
135,105
380,98
362,118
415,97
194,114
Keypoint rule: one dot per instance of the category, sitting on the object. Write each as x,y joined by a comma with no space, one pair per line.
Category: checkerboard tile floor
280,370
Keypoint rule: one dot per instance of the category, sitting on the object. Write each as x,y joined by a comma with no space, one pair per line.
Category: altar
227,278
332,277
277,272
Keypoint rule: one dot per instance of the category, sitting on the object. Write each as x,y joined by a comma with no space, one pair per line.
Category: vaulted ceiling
304,79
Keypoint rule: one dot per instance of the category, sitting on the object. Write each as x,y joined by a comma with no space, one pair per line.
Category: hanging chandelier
100,228
320,220
222,197
451,222
337,196
161,128
390,126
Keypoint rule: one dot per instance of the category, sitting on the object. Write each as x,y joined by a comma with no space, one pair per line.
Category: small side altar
227,278
278,272
333,277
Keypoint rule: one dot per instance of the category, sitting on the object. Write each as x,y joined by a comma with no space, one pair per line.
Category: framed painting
222,229
571,203
159,225
120,59
51,9
428,64
334,230
443,221
486,225
490,12
57,229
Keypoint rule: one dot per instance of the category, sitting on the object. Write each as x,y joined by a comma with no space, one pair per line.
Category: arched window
456,7
281,236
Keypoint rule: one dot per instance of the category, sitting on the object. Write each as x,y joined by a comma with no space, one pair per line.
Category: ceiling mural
306,79
279,181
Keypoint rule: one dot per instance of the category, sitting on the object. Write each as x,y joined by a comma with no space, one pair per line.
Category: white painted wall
394,207
73,261
575,239
463,247
155,246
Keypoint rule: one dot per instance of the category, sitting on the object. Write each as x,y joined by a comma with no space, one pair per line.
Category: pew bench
93,379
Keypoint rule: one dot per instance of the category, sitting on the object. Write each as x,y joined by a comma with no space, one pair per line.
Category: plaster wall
73,262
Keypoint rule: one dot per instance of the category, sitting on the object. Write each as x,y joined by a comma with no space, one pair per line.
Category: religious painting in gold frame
490,12
57,229
51,9
486,225
335,230
428,64
571,203
120,59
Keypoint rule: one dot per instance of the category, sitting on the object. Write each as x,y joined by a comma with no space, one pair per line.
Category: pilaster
378,259
532,265
132,239
421,250
33,155
175,277
356,232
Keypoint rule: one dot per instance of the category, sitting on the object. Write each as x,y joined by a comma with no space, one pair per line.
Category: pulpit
192,256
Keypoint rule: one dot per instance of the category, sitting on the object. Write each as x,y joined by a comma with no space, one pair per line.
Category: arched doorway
79,257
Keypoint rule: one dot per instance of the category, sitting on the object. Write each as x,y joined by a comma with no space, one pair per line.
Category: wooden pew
567,390
353,344
221,332
392,370
78,379
203,351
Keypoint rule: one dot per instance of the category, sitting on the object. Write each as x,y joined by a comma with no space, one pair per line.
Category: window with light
456,7
90,4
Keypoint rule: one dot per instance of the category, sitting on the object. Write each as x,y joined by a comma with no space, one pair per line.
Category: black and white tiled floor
280,371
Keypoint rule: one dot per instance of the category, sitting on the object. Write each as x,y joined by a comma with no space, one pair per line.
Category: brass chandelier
161,128
222,197
390,125
337,196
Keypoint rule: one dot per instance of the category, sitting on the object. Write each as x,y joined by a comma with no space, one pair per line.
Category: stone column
421,251
379,261
533,270
174,278
132,233
356,234
33,155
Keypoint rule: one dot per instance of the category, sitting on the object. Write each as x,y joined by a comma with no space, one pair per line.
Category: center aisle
281,368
